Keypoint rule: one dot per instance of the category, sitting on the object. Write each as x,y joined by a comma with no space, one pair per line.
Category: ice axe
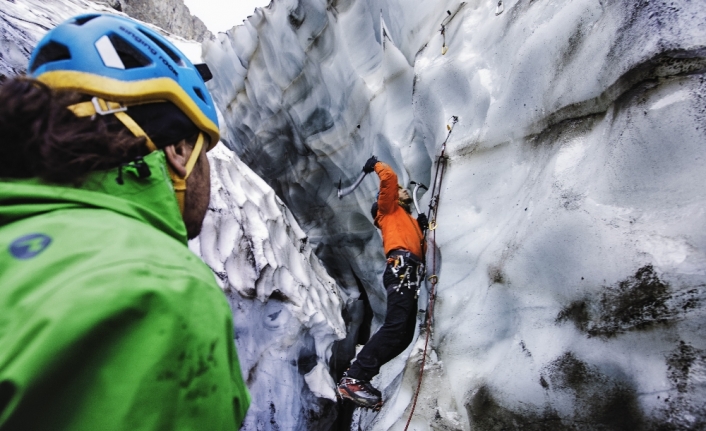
414,193
348,190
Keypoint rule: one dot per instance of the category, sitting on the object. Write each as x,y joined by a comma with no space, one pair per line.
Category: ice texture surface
571,259
286,307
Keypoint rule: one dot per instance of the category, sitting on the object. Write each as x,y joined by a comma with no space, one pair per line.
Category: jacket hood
150,200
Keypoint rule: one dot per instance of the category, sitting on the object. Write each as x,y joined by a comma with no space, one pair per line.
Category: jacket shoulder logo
29,246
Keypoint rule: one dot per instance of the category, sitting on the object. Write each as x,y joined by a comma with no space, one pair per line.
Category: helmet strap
180,182
103,107
135,129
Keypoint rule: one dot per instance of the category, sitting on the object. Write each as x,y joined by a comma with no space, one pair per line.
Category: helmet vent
84,19
108,53
129,55
199,93
51,52
173,55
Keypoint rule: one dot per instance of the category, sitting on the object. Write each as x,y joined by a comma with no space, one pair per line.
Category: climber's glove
423,222
370,165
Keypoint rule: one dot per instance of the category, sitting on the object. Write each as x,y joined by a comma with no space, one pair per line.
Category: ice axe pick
348,190
414,193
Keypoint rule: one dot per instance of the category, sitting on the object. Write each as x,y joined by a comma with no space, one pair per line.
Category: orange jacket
400,231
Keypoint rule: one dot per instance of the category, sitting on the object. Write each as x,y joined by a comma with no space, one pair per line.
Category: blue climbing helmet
123,63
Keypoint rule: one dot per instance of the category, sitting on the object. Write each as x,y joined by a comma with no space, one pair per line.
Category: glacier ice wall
572,270
286,308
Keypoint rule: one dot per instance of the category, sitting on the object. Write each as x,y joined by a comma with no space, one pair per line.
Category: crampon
360,392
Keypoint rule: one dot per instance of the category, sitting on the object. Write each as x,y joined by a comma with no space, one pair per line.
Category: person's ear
177,156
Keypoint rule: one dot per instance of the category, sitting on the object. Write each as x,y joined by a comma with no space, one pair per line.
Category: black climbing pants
397,331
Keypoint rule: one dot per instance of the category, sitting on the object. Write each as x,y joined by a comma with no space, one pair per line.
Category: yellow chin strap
179,182
104,107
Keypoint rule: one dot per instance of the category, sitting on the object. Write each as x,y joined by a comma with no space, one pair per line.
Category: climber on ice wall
107,320
403,241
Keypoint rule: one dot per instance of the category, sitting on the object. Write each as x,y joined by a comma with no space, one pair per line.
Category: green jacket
107,320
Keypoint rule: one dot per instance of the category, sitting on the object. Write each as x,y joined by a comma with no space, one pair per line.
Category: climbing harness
408,270
433,279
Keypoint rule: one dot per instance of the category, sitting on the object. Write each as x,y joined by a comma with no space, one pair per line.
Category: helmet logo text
151,49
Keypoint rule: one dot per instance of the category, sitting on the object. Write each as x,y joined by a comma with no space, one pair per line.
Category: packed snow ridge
570,250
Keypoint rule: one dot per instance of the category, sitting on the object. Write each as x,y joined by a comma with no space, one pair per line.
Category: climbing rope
433,279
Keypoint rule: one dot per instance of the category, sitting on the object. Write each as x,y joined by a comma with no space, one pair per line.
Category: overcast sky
221,15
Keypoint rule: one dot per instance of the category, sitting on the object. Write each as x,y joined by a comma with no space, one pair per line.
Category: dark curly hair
40,137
